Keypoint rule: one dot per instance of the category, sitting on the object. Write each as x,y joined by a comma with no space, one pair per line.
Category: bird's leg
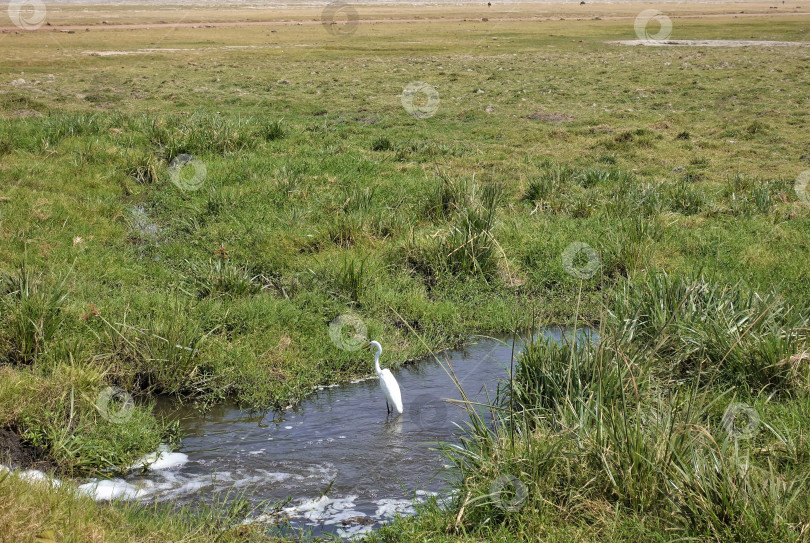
388,407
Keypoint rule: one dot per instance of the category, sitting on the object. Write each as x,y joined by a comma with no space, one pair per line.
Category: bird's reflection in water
393,424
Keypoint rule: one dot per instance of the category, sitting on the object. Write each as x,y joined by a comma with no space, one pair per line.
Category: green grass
323,196
618,439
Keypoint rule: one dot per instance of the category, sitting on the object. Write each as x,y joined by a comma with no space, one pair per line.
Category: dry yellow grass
40,512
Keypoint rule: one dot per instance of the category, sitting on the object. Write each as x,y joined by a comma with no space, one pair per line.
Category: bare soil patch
550,117
16,453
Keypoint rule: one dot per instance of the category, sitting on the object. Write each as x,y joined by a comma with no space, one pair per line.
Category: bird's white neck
377,357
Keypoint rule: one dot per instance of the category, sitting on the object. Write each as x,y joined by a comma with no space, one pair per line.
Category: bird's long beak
367,345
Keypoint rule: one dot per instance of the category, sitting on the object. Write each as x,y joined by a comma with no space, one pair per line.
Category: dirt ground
13,452
81,16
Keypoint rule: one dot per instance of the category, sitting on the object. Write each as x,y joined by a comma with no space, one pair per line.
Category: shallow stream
377,464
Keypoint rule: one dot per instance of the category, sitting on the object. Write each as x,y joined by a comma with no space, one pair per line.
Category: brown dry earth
75,17
14,452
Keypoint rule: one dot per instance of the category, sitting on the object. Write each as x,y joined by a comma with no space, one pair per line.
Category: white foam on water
354,532
32,476
276,476
36,476
160,460
164,484
170,485
342,512
190,486
159,464
324,387
324,510
262,477
390,507
109,489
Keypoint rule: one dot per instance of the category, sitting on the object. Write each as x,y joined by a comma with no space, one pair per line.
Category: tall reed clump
559,189
684,197
32,307
449,196
164,355
144,168
471,247
599,434
730,334
348,277
628,197
56,128
747,195
220,277
351,278
468,247
628,247
556,178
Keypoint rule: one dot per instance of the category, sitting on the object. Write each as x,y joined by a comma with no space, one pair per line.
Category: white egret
388,383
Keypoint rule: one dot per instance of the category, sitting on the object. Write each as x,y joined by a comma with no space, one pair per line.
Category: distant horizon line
271,3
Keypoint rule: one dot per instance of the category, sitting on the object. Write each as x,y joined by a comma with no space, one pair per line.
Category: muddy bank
15,452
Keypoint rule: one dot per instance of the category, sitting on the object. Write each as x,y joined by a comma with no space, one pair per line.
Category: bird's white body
388,382
391,389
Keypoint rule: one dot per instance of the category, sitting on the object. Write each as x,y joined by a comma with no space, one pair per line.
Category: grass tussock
468,247
730,335
33,312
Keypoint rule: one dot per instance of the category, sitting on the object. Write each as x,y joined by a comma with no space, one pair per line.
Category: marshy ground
315,185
